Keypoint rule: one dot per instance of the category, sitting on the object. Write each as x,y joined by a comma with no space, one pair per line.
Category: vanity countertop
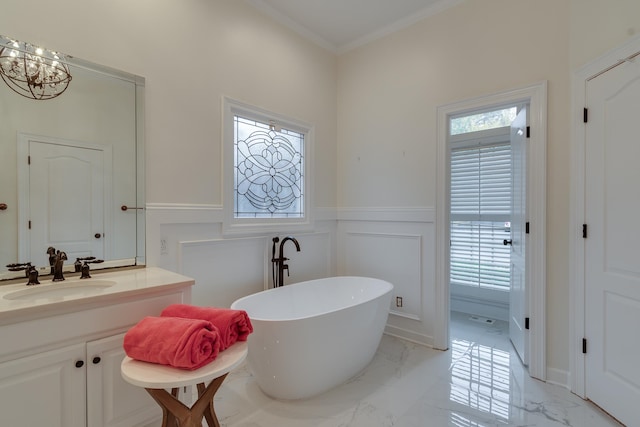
19,301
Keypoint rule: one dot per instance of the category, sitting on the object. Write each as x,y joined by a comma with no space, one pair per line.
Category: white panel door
66,201
518,290
612,249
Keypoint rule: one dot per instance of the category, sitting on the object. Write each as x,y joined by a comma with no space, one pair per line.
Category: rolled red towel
173,341
233,325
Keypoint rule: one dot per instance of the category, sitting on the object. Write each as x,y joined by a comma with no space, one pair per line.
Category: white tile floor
479,382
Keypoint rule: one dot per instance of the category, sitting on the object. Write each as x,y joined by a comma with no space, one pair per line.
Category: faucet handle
19,266
85,267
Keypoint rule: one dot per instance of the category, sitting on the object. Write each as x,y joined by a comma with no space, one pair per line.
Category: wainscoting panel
391,257
314,261
224,269
396,245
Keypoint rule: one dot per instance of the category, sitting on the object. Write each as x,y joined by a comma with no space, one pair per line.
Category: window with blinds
480,213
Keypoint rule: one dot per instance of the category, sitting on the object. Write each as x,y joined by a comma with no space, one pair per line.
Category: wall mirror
71,163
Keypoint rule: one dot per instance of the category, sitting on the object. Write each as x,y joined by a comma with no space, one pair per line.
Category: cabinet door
111,401
46,389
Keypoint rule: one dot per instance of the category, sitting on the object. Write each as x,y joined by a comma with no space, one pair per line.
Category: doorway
533,306
487,271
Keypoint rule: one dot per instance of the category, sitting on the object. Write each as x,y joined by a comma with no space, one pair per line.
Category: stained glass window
268,170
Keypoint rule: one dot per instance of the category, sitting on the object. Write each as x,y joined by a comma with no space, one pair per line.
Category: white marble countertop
20,301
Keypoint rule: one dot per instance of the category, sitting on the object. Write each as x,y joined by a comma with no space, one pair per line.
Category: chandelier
31,71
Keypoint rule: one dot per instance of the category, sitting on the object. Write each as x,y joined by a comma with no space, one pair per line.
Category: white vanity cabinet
111,401
73,386
44,389
60,364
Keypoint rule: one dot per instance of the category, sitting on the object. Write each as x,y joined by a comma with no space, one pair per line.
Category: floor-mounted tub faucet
278,264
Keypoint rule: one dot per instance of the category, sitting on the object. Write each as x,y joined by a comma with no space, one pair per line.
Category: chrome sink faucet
278,264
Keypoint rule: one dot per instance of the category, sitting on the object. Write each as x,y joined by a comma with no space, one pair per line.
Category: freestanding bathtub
311,336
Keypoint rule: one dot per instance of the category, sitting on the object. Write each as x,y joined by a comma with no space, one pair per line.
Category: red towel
234,325
181,343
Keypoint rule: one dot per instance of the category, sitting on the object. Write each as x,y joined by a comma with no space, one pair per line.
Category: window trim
233,225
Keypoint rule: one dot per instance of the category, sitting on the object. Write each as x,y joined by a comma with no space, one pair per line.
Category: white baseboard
408,335
559,377
484,308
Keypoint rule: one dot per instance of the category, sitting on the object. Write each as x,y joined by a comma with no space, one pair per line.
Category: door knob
97,235
507,242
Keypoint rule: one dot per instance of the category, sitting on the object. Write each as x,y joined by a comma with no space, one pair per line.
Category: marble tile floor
479,382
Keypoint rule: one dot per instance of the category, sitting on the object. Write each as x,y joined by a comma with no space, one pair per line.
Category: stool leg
168,419
205,401
171,419
172,409
175,411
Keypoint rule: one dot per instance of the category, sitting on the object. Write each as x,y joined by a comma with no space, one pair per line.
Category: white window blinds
480,213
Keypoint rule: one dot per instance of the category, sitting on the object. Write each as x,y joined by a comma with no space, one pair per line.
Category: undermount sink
85,287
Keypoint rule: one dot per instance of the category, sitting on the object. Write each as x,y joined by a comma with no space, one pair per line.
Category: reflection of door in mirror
69,187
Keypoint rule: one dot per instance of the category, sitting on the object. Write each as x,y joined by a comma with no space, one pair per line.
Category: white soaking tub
312,336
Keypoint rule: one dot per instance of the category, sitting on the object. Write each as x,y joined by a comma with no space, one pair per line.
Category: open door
518,292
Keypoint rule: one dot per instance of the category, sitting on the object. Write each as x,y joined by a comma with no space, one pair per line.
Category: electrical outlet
164,250
398,302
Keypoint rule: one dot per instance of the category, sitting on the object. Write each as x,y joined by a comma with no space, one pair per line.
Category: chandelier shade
31,71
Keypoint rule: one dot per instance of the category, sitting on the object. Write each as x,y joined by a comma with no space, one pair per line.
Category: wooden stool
157,379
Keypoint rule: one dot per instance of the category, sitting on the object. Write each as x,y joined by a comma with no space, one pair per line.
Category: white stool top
153,375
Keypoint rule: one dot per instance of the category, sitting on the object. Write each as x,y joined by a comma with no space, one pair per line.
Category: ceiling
341,25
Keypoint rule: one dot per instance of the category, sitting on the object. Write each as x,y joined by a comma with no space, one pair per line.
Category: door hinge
526,323
29,224
528,131
584,231
28,160
584,346
585,115
526,227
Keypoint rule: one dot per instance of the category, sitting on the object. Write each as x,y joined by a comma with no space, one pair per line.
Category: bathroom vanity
61,348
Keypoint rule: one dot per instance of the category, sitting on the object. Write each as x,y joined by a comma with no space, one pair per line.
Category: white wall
598,26
191,53
388,93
